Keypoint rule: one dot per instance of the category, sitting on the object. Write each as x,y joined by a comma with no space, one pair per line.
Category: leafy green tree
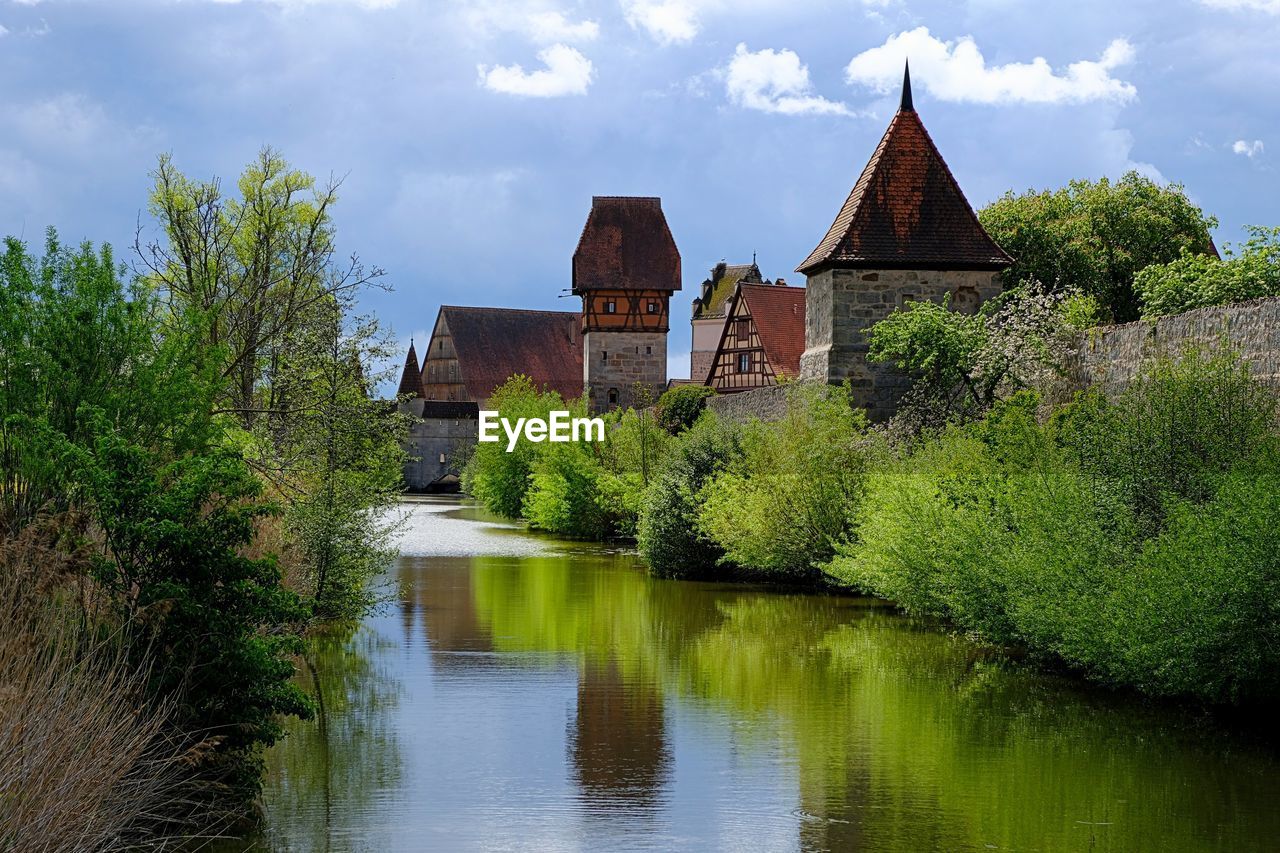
257,277
679,407
498,479
1094,236
108,412
1197,281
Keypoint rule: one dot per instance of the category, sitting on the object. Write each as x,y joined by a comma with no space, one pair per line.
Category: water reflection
539,695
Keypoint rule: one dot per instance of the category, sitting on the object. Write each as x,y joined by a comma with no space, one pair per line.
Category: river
521,693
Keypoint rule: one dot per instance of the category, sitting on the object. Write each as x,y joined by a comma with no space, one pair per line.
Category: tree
1196,281
258,277
964,363
1094,236
249,271
679,407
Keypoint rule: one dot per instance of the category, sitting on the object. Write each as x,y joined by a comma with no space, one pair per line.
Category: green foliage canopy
1094,236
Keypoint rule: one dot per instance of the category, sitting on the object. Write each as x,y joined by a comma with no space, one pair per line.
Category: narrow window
648,350
613,396
604,355
744,362
653,307
610,307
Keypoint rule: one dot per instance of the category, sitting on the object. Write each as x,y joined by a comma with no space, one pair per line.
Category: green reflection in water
902,737
336,767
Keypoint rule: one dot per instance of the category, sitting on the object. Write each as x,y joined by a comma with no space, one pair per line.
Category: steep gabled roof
494,344
626,244
778,314
906,210
411,377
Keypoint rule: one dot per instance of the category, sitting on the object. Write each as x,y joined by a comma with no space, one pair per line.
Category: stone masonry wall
840,305
634,357
1111,356
448,431
768,404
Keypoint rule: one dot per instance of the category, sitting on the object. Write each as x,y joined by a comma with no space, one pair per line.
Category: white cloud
4,31
957,71
1248,149
1269,6
667,21
567,72
547,27
775,82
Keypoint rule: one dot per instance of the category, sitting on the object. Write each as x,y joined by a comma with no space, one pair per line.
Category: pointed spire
411,378
906,106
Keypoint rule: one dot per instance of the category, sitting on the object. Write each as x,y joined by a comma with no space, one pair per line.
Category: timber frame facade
762,339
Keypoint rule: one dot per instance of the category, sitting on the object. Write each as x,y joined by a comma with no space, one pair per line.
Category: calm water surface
528,694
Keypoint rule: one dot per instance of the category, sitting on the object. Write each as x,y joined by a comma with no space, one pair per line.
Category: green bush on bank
784,503
588,490
667,533
1134,539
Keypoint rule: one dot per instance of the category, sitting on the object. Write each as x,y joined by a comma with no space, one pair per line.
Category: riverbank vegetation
195,446
1131,538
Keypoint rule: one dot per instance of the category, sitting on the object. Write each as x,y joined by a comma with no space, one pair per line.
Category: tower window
610,307
613,396
604,355
653,306
648,350
744,362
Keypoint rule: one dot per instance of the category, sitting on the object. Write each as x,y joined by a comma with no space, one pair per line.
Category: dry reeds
87,761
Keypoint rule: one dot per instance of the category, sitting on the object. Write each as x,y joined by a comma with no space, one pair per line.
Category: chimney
781,282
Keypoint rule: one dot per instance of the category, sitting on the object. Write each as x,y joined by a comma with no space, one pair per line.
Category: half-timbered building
762,339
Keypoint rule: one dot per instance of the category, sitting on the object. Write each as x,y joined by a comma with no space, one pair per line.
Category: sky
470,135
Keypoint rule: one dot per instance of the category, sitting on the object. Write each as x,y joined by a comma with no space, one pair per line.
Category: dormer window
653,306
610,307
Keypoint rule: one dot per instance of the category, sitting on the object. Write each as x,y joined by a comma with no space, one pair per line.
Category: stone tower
625,269
906,233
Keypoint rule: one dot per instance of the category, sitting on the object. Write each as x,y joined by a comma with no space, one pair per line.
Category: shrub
667,532
1174,431
497,479
173,563
1135,540
564,493
679,407
786,501
1197,280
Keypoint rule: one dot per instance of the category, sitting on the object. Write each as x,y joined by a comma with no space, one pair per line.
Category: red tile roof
494,344
626,244
778,313
411,377
906,211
